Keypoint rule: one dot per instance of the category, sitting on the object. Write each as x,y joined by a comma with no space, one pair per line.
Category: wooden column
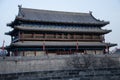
23,53
70,51
95,51
56,36
68,36
46,52
16,52
85,52
22,35
92,37
19,34
74,36
62,36
45,36
33,35
35,53
83,36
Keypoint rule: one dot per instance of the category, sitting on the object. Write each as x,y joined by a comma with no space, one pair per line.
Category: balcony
58,37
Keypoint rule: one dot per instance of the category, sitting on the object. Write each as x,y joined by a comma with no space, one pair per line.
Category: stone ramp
74,74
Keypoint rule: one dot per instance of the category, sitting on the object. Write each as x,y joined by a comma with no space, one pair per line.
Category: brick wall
55,68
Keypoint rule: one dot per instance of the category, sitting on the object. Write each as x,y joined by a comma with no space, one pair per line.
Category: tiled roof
27,14
54,43
62,29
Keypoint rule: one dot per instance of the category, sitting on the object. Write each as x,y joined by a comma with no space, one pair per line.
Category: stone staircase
72,74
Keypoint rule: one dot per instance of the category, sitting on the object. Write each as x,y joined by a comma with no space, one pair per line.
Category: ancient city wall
62,67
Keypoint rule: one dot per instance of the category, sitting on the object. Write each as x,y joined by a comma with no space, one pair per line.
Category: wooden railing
68,37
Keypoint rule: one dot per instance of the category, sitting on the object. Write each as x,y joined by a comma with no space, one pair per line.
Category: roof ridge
51,16
70,12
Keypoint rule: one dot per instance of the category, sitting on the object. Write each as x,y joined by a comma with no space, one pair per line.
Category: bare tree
108,62
91,61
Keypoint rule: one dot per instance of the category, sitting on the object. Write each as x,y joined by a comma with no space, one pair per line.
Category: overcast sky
108,10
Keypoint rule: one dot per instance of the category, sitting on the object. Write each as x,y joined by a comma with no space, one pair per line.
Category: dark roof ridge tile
63,12
39,15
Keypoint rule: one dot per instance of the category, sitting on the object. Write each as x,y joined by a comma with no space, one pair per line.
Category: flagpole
3,45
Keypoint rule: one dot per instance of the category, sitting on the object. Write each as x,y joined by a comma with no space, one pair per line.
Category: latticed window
59,35
27,35
50,36
96,37
88,37
78,37
39,36
65,36
71,36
